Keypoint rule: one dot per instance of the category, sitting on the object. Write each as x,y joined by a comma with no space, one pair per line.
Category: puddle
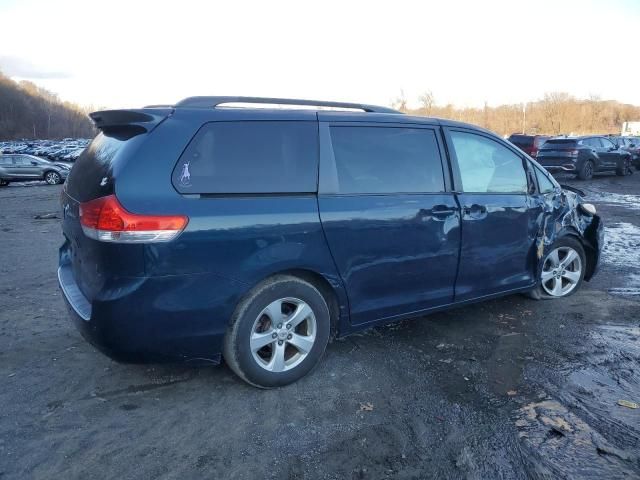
583,432
559,444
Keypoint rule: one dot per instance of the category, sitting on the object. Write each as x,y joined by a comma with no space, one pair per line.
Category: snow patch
622,249
632,202
622,245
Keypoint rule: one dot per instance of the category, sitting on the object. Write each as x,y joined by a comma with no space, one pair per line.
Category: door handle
476,211
441,212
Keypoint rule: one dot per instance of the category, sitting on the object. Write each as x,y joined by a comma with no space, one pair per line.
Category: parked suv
19,167
584,156
199,231
529,144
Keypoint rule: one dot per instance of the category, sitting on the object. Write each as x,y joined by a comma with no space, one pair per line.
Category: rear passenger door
498,217
610,152
389,216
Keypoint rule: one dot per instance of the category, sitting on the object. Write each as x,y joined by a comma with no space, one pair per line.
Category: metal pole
524,117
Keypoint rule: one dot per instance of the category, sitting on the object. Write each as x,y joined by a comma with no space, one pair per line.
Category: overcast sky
129,53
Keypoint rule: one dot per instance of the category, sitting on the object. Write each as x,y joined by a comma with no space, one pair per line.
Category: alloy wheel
52,178
283,334
561,271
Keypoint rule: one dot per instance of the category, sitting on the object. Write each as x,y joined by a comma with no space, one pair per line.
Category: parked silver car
20,167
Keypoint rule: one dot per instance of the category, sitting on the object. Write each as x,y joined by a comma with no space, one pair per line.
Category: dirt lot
512,388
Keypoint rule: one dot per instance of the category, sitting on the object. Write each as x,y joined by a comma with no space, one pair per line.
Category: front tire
52,178
562,271
586,171
278,332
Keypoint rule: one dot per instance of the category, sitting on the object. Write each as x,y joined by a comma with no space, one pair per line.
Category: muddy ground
512,388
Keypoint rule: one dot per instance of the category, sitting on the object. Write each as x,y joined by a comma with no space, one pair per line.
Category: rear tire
625,168
278,332
562,271
586,172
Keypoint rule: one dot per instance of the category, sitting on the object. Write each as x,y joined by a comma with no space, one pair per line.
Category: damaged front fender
561,215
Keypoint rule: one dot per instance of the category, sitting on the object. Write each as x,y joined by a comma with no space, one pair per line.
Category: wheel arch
326,289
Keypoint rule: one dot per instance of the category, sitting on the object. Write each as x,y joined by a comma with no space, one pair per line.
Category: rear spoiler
142,119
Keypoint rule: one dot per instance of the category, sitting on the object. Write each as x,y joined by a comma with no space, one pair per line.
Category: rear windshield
91,175
521,140
540,141
560,143
250,157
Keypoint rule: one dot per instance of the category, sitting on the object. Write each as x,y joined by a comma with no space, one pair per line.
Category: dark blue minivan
256,229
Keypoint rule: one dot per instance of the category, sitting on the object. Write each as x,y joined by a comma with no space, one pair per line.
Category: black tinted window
560,143
250,157
486,166
522,140
387,160
91,175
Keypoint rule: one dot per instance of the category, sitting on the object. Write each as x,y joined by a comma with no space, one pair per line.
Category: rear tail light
106,220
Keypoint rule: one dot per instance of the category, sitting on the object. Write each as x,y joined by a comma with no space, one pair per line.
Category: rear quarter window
250,157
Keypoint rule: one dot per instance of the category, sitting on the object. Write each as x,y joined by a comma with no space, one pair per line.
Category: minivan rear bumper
174,319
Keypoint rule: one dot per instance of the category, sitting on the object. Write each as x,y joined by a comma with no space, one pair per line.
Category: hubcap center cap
282,334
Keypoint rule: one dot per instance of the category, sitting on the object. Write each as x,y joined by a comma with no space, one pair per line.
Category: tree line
29,111
557,113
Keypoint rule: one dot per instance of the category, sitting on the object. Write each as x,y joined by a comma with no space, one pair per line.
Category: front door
391,224
497,251
24,167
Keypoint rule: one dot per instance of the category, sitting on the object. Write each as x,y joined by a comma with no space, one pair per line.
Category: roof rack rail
212,102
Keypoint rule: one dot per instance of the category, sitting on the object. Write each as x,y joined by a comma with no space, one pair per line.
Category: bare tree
400,103
427,100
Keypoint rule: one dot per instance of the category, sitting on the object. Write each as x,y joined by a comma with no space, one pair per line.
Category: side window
606,143
250,157
595,142
545,185
486,166
386,160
